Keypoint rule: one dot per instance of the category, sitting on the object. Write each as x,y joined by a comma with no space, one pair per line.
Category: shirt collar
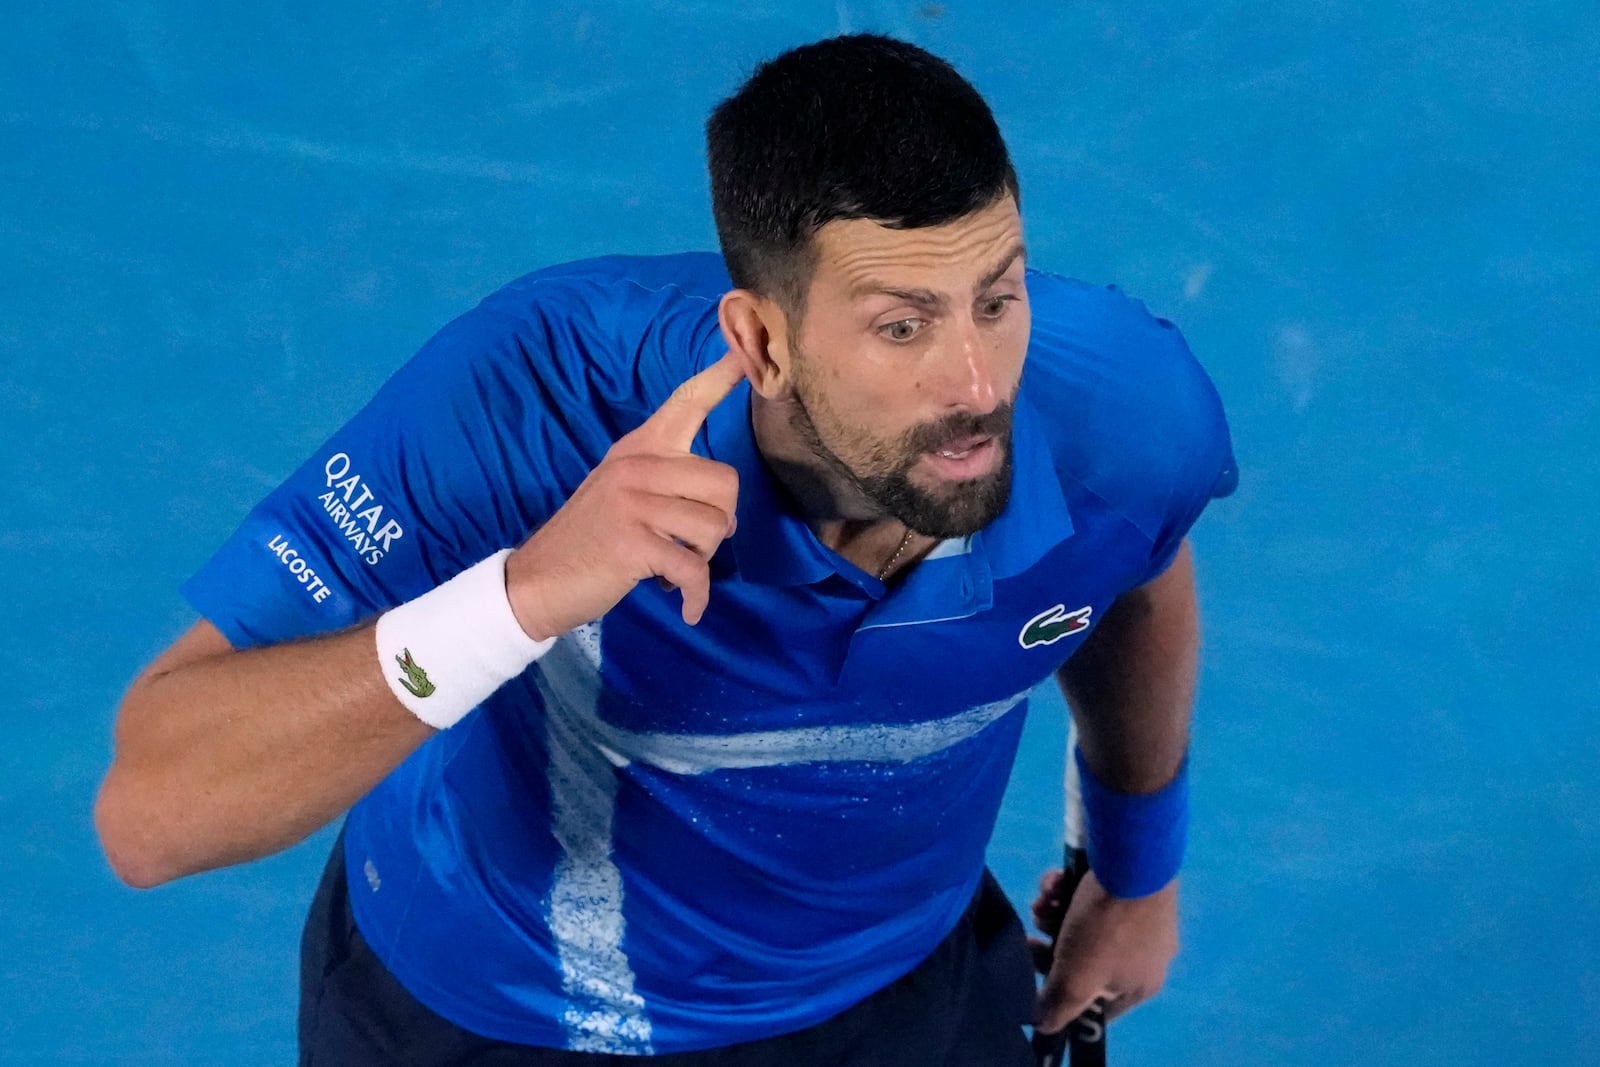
1036,518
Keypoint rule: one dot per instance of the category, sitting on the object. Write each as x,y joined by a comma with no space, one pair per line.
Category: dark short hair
857,127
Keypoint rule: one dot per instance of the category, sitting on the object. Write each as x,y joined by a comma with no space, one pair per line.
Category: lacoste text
279,546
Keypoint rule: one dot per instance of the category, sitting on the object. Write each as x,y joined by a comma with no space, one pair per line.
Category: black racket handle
1082,1043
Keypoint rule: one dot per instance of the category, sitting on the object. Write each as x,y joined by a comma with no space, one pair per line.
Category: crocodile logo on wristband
1051,625
416,679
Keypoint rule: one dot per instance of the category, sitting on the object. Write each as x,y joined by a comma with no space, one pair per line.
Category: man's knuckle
687,394
619,467
689,567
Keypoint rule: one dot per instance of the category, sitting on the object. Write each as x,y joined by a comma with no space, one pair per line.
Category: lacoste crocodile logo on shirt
416,679
1052,624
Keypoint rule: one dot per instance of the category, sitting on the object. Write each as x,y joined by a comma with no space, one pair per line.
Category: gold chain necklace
905,539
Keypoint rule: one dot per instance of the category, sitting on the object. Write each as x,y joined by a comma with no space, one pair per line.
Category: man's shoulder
1127,409
612,282
622,331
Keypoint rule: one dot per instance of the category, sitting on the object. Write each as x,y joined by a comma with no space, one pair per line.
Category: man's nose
969,371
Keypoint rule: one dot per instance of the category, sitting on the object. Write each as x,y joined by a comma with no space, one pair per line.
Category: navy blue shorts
965,1005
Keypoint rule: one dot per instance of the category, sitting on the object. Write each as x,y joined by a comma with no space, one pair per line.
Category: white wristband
445,652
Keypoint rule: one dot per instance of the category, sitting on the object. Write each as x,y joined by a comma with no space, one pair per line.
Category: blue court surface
222,226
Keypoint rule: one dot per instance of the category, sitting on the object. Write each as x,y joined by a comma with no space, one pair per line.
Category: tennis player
666,626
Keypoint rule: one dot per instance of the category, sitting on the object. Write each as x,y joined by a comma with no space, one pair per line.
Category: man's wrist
447,651
1135,841
528,606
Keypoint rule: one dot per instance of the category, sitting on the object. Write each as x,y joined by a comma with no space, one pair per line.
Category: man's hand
650,509
1115,951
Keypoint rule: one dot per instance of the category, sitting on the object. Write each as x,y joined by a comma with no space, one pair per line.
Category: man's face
907,360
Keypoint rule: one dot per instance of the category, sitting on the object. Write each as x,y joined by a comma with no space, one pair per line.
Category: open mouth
969,457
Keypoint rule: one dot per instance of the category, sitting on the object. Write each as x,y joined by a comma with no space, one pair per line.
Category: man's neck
837,512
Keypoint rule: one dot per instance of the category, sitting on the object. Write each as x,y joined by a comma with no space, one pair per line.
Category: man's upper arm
461,453
1169,598
468,448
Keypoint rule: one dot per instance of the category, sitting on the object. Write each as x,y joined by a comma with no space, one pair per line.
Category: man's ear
757,332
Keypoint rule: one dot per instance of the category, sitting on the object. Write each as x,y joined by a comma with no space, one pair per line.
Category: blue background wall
221,228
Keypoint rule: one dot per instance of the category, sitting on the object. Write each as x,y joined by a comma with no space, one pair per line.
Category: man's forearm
1132,684
225,756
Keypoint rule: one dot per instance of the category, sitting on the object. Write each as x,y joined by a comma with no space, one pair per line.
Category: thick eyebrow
1018,251
930,300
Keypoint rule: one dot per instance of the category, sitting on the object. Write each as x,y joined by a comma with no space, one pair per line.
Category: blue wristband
1135,842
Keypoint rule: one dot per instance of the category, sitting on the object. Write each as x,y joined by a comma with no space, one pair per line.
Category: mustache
933,436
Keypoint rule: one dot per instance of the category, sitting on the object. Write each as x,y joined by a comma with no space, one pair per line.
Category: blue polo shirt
662,838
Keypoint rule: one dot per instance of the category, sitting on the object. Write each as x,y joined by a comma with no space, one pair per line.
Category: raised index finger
676,422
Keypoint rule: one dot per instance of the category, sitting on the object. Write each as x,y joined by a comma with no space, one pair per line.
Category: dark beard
965,508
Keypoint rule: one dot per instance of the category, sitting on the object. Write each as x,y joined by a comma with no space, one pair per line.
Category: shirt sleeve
1199,464
467,449
1138,421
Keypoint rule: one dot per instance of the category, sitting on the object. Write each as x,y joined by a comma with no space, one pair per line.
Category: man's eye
904,330
995,306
